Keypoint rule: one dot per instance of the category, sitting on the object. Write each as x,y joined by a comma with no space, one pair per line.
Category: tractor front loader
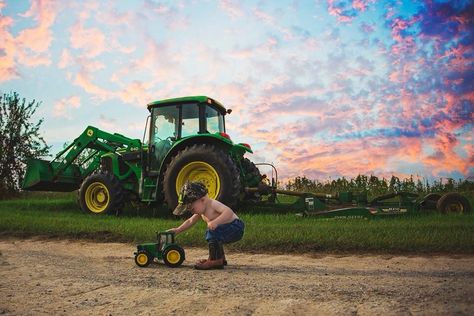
186,141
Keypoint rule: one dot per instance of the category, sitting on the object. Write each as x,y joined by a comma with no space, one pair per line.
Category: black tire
143,259
252,178
220,161
453,203
101,193
173,256
429,201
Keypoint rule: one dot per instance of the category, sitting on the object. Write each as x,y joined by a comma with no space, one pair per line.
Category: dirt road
83,278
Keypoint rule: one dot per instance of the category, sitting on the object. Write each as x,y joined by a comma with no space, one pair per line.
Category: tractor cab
175,119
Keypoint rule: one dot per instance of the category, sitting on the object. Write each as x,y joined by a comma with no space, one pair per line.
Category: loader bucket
39,176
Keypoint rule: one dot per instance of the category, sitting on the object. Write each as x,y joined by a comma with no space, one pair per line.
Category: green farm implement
353,205
186,140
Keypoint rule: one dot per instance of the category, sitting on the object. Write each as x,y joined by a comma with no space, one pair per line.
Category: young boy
223,225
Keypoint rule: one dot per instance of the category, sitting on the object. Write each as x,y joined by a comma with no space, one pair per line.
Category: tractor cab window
164,130
190,124
165,125
214,120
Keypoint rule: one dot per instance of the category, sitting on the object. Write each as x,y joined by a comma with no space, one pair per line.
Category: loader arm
62,174
96,139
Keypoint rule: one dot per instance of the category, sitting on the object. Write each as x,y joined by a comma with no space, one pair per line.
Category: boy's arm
186,224
226,214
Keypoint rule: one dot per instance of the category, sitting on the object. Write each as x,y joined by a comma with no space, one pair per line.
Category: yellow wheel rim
173,256
97,197
199,171
142,259
455,208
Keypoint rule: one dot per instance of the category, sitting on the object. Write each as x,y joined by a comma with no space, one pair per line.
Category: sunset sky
319,88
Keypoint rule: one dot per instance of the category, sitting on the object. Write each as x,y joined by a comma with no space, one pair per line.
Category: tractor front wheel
207,164
101,193
143,259
453,203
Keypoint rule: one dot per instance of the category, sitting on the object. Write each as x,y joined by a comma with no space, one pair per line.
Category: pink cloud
30,47
63,107
262,16
445,158
7,51
84,81
66,59
90,40
157,8
136,93
39,38
232,8
361,5
338,12
33,60
346,11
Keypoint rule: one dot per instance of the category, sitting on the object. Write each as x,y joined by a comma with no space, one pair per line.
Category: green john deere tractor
187,141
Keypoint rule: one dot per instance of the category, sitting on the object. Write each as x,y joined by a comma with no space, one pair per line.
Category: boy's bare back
214,209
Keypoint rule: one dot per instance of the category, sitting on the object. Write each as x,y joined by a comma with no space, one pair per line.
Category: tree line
376,186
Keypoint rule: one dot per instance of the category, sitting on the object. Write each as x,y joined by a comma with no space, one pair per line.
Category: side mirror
229,111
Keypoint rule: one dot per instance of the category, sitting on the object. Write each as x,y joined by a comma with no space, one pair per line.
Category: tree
19,141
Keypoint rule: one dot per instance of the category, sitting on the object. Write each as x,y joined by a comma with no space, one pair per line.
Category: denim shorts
227,233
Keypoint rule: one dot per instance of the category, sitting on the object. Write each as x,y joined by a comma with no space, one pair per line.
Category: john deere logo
90,132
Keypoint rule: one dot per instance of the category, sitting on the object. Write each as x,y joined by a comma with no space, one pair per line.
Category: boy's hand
211,225
173,230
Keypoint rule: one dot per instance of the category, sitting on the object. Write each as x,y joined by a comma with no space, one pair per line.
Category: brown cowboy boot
223,257
201,261
215,260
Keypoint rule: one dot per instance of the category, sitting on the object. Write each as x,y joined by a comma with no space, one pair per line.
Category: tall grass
60,216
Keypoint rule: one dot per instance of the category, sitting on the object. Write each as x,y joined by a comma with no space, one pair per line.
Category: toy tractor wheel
143,259
173,256
453,203
101,193
207,164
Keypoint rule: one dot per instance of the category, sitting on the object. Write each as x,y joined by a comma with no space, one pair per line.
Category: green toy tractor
186,141
164,249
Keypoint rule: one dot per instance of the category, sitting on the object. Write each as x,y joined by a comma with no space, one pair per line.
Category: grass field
58,215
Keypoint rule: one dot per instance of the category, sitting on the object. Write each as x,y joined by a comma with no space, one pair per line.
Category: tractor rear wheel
453,203
207,164
173,256
101,193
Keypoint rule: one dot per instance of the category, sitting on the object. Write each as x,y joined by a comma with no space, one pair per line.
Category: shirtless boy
223,225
